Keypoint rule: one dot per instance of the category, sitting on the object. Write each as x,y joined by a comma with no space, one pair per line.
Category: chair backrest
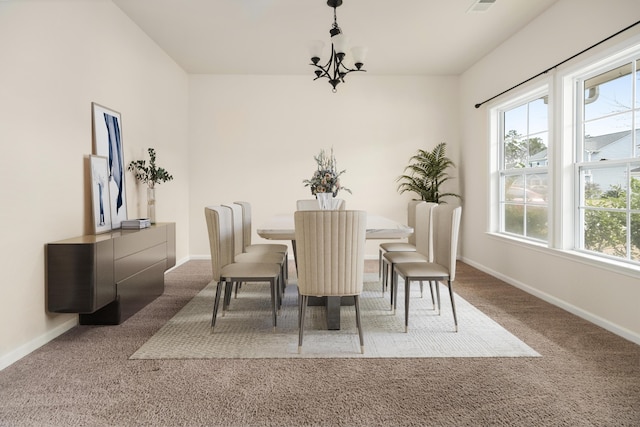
330,252
308,205
237,227
446,227
423,228
314,205
219,224
411,219
246,222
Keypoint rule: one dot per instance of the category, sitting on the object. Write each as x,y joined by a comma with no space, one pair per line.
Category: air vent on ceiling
480,5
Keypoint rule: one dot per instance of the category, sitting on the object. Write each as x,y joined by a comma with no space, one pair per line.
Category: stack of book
136,224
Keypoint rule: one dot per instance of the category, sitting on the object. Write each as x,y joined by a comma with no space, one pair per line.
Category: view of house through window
609,163
599,182
524,141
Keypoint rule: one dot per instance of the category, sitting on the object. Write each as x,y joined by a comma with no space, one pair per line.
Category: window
608,161
590,164
523,131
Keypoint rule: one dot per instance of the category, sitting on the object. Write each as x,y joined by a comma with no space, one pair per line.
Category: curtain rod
558,64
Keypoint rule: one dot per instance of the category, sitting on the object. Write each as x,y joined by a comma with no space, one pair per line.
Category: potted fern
427,172
150,175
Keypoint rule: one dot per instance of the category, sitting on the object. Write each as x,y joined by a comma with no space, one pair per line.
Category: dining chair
247,230
331,247
260,247
313,204
423,238
256,256
408,246
446,226
226,271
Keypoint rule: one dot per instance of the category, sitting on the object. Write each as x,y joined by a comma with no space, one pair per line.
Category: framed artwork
100,206
107,142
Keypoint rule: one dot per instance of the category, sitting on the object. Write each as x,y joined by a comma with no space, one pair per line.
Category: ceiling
403,37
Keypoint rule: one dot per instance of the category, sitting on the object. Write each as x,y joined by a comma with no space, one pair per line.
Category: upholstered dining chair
247,230
408,246
260,247
226,271
313,204
423,238
446,226
331,246
256,256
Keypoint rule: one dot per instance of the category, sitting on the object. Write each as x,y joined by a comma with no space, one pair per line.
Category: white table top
281,227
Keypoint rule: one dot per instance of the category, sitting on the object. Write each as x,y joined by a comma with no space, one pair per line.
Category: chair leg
421,289
216,305
384,276
228,287
407,285
453,306
286,268
283,275
358,323
299,309
302,311
295,254
394,290
437,285
279,294
433,300
274,301
380,267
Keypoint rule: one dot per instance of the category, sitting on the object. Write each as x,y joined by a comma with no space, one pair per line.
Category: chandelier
335,69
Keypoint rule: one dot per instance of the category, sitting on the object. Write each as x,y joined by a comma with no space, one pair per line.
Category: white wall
56,58
253,138
608,297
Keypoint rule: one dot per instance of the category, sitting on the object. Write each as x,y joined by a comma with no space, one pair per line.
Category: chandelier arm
349,70
327,67
324,71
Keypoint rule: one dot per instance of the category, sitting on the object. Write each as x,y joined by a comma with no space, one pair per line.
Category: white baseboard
178,263
36,343
597,320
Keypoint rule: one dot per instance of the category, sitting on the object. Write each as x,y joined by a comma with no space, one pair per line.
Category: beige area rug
246,330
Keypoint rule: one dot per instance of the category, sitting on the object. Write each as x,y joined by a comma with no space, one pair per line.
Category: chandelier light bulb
359,54
315,48
339,42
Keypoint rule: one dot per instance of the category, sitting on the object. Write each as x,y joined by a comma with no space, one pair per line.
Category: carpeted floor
247,329
585,377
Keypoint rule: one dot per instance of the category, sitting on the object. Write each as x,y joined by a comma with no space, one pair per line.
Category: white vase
325,200
151,204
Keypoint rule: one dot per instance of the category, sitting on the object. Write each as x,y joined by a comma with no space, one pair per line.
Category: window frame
577,80
498,202
563,172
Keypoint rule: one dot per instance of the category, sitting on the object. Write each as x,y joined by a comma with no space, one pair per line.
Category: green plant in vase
150,175
428,171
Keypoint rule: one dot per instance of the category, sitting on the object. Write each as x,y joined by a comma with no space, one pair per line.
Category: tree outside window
524,178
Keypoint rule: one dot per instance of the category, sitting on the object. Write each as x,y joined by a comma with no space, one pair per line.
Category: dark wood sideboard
107,278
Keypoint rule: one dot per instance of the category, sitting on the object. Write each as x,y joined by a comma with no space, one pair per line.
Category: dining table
282,227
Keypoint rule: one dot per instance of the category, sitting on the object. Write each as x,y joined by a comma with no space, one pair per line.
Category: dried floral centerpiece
326,178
